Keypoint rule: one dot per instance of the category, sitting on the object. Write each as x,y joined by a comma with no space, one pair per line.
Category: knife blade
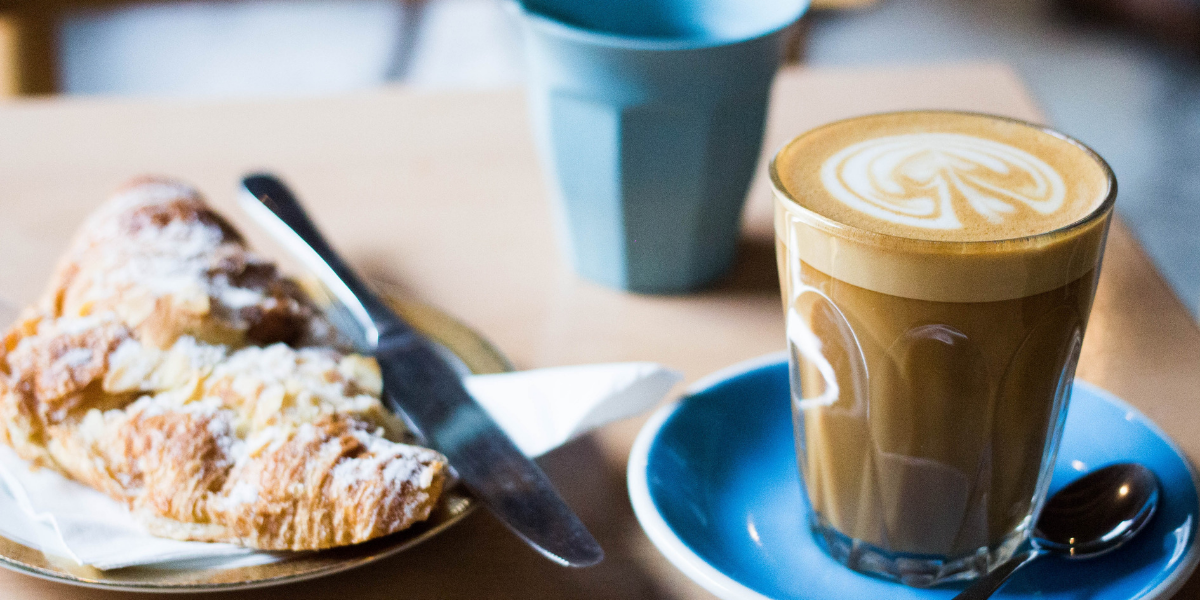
429,393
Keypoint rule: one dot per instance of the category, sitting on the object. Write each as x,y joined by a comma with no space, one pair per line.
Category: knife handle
274,206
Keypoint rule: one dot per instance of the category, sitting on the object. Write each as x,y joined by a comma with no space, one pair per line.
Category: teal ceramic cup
649,118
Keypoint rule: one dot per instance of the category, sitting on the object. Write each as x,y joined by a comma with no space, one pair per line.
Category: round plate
714,483
476,354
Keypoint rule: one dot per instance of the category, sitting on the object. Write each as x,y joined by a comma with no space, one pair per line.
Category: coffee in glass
938,270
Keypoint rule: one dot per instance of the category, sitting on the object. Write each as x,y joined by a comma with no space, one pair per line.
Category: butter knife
429,393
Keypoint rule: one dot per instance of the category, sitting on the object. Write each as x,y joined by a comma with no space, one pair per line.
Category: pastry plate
475,354
714,483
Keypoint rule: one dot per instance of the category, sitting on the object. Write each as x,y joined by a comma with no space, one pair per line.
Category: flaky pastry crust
177,372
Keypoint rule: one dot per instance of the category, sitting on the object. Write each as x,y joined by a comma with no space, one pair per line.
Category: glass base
917,570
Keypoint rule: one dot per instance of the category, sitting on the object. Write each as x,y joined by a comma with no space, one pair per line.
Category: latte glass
930,377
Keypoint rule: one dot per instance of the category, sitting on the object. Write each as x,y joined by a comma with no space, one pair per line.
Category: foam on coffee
943,176
900,187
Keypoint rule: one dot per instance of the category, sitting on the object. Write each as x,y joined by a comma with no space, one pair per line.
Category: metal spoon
1092,515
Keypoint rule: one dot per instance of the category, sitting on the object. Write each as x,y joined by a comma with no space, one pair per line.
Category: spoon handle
985,586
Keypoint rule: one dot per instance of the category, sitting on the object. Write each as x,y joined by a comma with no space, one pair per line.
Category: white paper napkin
540,410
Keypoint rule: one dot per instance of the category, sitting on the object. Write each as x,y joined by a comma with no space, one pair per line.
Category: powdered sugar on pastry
167,265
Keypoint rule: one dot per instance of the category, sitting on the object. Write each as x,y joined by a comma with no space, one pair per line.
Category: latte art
935,180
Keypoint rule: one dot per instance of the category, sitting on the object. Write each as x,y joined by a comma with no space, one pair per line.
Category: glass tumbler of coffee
938,269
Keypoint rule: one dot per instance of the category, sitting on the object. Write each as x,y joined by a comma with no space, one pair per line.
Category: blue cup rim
632,42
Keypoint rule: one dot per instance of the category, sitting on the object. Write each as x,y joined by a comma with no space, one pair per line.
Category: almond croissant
177,372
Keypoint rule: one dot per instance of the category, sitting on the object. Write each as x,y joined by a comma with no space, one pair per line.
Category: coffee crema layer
943,176
942,206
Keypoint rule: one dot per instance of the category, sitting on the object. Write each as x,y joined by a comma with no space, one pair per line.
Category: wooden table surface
440,194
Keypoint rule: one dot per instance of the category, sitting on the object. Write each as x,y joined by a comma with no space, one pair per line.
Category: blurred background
1122,75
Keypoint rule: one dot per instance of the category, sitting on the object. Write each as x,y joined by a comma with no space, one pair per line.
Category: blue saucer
714,483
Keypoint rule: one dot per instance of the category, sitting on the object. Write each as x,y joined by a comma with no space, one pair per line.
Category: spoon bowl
1098,512
1092,515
